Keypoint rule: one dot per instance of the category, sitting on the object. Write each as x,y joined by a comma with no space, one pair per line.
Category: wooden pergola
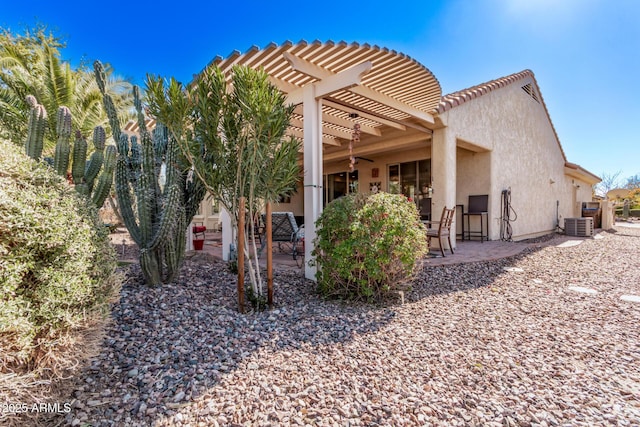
331,83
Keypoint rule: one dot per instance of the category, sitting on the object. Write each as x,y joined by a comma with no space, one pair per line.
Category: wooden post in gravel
241,214
267,232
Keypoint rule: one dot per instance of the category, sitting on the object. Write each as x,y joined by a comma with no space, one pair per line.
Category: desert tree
234,136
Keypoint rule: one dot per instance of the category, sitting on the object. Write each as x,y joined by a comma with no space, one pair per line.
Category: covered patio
359,107
373,119
466,251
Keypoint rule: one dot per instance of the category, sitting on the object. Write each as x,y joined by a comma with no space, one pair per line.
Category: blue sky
585,53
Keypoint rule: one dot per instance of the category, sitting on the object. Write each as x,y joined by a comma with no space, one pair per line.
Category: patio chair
478,206
443,230
425,209
284,229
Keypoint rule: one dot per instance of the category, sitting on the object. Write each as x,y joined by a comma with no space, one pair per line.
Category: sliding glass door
339,184
413,179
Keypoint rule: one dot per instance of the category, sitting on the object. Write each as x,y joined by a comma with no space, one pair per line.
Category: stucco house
383,113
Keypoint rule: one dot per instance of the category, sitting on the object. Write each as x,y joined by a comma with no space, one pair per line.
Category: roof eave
577,171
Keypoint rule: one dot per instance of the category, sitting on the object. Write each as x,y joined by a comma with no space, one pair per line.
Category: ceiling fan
363,158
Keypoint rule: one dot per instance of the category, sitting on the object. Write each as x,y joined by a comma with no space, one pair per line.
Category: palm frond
30,64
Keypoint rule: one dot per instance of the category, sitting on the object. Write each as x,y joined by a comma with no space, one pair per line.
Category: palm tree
30,64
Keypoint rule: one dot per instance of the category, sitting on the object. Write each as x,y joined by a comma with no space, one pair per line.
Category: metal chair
443,230
284,229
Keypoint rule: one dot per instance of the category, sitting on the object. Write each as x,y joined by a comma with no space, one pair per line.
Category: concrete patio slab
465,252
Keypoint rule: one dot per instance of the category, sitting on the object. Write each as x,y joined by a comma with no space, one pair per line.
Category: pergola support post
313,187
227,234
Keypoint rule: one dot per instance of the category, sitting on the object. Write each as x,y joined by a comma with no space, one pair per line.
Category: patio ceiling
396,93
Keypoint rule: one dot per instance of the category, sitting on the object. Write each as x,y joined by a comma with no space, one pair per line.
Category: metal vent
528,88
579,227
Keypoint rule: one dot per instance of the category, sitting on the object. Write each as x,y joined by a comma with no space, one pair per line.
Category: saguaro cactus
83,174
163,212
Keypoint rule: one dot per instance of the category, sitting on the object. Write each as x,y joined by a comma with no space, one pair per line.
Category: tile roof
454,99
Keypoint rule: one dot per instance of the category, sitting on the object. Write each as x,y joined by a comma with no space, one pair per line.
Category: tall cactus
83,174
63,147
163,212
37,127
97,157
79,163
102,189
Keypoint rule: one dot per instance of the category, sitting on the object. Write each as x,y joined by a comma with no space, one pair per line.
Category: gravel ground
473,344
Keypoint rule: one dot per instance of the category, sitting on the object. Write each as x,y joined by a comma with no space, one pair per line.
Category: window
339,184
394,179
413,179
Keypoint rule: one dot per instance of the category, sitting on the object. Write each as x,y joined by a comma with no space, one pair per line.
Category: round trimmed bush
57,268
367,245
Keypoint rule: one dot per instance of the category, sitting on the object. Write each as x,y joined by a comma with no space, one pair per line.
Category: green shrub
368,245
56,264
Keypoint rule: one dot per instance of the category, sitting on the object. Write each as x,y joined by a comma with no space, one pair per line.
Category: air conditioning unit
579,227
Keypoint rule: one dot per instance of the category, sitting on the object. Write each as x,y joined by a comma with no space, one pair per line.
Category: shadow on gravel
168,345
445,279
125,248
625,232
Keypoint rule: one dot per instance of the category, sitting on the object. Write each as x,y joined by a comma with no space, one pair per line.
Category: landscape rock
500,343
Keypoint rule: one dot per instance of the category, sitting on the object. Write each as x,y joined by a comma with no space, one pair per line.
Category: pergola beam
363,114
288,88
340,121
300,134
320,73
378,147
338,133
329,83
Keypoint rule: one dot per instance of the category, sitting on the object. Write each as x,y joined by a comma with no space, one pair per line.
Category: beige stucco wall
474,173
473,178
504,141
525,157
296,204
206,215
